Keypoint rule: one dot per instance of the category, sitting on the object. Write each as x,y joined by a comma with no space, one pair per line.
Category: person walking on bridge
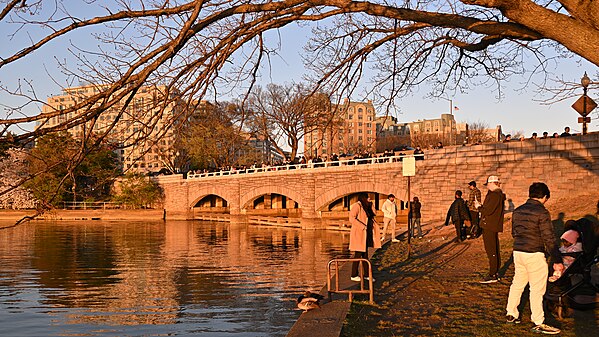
390,214
362,233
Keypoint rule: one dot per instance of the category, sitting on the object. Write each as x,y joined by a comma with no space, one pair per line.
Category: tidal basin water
158,279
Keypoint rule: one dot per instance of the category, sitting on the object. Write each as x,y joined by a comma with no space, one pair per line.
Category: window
360,117
359,130
368,125
369,132
350,116
360,124
360,110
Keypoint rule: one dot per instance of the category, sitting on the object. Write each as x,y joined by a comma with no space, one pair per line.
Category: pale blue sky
517,110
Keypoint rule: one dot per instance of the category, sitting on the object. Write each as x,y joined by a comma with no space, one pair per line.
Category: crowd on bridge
302,162
364,157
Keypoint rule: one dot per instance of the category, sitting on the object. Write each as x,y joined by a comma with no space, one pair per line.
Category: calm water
156,279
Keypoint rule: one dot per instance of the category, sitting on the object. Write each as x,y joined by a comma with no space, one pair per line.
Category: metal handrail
338,163
350,292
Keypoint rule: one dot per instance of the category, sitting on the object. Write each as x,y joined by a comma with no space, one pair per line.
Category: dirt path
436,293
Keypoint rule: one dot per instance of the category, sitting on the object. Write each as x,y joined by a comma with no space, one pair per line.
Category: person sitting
570,244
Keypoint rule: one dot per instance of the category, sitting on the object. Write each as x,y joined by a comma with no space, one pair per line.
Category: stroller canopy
589,236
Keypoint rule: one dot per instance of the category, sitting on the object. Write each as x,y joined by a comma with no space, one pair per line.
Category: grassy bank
436,291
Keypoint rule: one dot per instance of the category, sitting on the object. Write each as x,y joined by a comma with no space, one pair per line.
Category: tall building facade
348,128
144,134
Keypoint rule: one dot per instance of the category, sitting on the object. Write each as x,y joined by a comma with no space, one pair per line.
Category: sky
518,110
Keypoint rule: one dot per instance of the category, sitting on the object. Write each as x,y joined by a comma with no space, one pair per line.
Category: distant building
348,128
144,134
388,126
430,131
391,135
264,149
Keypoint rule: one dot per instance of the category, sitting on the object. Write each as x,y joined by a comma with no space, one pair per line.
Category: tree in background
57,177
138,191
392,142
479,132
214,137
281,114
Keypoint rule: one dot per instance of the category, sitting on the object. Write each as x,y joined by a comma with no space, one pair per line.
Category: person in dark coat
534,237
459,215
414,217
491,222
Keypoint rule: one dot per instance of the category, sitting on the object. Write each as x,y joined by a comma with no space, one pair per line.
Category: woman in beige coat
363,231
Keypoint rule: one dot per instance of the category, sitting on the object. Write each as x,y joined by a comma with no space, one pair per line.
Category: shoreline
85,215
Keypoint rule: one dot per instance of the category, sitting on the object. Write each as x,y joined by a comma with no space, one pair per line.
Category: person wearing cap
473,198
534,236
389,217
491,222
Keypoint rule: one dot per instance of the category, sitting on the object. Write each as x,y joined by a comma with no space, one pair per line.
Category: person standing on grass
491,222
473,198
533,237
415,217
459,215
390,214
362,233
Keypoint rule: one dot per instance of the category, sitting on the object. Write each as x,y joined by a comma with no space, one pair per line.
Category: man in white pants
390,213
533,236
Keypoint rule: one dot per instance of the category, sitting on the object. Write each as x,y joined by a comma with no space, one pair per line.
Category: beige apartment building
349,128
443,129
145,133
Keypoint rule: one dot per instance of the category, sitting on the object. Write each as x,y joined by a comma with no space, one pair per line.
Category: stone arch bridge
565,164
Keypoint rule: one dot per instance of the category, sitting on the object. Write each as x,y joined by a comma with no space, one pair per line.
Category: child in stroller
570,244
575,289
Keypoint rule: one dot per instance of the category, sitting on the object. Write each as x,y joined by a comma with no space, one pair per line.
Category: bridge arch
250,196
325,199
201,193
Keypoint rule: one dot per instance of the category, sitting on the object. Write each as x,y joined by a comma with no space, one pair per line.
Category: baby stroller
575,289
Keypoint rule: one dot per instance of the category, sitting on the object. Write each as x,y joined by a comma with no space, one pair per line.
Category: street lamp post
585,81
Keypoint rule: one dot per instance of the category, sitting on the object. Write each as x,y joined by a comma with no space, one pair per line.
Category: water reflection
153,279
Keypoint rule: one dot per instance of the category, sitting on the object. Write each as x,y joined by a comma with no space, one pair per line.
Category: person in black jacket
459,215
491,213
533,237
